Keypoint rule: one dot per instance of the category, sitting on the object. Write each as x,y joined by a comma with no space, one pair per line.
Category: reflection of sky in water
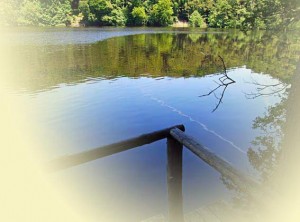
73,118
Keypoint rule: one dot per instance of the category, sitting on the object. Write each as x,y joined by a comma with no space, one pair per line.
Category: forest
241,14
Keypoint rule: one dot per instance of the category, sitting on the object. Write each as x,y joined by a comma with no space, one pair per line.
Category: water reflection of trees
275,155
157,55
266,151
266,148
264,154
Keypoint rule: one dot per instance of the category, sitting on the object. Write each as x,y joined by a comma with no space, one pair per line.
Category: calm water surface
90,87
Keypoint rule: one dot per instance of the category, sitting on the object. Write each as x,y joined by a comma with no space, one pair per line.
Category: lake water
88,87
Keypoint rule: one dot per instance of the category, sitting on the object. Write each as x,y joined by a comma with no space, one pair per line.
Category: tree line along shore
241,14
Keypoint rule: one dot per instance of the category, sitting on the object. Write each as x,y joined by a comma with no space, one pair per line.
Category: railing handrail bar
99,152
245,183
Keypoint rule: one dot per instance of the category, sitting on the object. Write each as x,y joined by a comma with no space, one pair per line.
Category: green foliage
31,13
10,12
218,16
196,20
115,18
84,8
161,13
265,14
202,6
139,16
181,9
50,13
242,14
99,9
56,12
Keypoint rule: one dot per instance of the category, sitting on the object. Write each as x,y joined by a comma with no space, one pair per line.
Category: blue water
77,117
73,117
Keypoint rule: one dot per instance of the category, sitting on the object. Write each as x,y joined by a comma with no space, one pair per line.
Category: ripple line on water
163,103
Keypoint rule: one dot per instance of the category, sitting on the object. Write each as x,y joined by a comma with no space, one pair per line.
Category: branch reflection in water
224,82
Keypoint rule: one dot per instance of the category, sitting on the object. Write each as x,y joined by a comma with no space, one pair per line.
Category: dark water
85,88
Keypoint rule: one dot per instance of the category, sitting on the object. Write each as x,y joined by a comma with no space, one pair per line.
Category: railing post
174,180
